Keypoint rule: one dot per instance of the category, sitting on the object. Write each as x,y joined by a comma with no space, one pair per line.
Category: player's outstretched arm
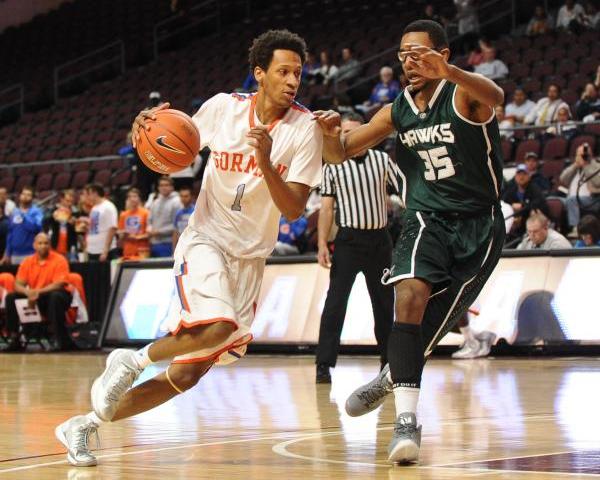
476,96
338,147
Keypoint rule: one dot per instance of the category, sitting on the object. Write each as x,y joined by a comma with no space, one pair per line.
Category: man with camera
582,179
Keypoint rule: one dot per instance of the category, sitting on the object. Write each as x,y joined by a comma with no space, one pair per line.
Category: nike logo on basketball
161,142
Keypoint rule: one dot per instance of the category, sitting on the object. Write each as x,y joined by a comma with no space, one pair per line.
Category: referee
362,244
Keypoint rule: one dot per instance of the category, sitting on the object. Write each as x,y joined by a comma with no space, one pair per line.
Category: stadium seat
61,181
7,181
80,179
555,148
43,182
551,169
557,211
524,147
23,181
102,177
507,147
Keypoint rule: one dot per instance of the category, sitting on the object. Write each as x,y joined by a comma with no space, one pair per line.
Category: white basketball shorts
213,286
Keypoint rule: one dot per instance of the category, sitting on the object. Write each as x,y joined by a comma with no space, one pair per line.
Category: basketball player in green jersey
448,148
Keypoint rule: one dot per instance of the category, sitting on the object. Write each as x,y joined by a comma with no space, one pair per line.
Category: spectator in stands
524,197
491,67
59,224
41,279
588,106
540,23
466,14
310,68
350,68
133,226
328,70
154,99
519,108
429,13
504,124
185,177
532,164
588,230
25,222
546,108
597,79
6,204
582,179
570,16
591,17
384,92
82,219
4,221
564,127
101,243
162,218
289,235
541,236
182,216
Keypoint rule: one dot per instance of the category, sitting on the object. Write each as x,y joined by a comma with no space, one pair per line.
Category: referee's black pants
370,252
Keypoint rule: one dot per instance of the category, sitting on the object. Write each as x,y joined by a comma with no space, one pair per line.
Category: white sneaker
470,349
406,440
486,340
74,434
107,390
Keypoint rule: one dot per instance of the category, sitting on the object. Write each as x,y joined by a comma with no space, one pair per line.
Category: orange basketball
170,144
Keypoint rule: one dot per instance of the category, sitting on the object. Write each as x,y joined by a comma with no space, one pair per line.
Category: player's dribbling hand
259,138
428,63
329,121
323,257
140,121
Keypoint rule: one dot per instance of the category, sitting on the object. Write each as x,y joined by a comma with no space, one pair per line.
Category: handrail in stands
387,51
18,87
10,166
174,19
119,57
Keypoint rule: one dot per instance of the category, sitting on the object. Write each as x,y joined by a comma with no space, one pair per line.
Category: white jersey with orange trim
234,208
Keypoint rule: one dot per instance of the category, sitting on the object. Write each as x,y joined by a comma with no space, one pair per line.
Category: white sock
142,358
406,399
468,334
95,418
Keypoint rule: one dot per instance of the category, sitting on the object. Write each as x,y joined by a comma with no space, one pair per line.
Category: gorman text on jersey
238,162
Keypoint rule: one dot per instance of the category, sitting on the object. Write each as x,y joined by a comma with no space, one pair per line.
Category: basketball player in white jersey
265,157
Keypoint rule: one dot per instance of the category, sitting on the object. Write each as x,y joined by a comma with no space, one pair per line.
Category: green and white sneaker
368,397
406,440
74,434
119,375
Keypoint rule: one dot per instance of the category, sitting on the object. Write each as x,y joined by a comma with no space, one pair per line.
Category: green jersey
449,163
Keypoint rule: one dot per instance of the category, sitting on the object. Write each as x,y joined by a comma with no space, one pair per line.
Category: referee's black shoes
323,375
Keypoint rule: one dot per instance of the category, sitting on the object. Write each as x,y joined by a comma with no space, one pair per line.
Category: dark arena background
75,75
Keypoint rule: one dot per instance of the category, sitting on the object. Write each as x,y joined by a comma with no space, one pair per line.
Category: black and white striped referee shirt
359,187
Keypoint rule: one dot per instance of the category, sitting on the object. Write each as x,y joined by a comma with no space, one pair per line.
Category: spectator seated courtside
541,236
41,282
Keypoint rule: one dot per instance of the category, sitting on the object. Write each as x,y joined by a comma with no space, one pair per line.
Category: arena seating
96,122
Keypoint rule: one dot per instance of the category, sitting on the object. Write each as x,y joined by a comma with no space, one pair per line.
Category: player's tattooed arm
289,197
338,147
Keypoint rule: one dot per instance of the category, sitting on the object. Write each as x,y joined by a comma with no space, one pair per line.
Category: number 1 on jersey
237,203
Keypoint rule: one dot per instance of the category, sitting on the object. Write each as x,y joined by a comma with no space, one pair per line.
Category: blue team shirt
182,217
22,229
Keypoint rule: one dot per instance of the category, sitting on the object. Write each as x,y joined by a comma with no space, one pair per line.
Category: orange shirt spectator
38,273
133,225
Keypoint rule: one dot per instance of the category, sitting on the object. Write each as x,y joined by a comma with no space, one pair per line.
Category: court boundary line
281,449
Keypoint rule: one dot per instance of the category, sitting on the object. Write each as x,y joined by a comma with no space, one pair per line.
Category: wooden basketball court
265,418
